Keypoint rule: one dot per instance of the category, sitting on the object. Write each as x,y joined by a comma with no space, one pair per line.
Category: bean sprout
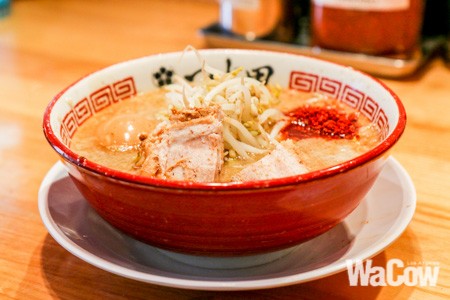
251,123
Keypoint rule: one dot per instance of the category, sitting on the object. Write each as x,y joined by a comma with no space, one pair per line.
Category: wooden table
45,45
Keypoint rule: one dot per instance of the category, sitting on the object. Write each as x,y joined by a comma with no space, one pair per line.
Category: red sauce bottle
375,27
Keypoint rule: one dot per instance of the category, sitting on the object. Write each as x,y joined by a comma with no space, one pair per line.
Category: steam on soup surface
161,135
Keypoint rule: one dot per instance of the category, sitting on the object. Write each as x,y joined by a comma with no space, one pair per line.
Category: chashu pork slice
280,162
188,147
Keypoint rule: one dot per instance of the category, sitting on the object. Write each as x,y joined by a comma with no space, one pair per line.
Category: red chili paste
313,121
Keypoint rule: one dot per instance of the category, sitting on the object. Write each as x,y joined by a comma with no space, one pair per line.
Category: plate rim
402,221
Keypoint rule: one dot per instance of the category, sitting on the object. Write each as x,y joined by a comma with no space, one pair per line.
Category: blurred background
386,38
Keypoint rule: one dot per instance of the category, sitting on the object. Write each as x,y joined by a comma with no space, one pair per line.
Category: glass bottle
376,27
259,18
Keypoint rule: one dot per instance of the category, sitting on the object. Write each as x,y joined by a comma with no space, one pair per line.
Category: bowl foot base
222,263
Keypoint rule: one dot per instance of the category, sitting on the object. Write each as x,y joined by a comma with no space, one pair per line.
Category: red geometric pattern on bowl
329,87
82,111
352,97
69,126
302,81
95,102
382,122
370,108
102,98
123,89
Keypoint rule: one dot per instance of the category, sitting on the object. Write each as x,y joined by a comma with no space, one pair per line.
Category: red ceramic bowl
225,219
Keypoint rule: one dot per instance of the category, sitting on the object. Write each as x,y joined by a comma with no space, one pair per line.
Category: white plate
375,224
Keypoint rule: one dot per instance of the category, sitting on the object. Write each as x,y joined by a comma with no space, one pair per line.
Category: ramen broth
112,136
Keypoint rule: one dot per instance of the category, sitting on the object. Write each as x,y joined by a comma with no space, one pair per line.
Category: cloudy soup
226,127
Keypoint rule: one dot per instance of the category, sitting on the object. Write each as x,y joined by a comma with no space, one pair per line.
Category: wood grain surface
46,45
